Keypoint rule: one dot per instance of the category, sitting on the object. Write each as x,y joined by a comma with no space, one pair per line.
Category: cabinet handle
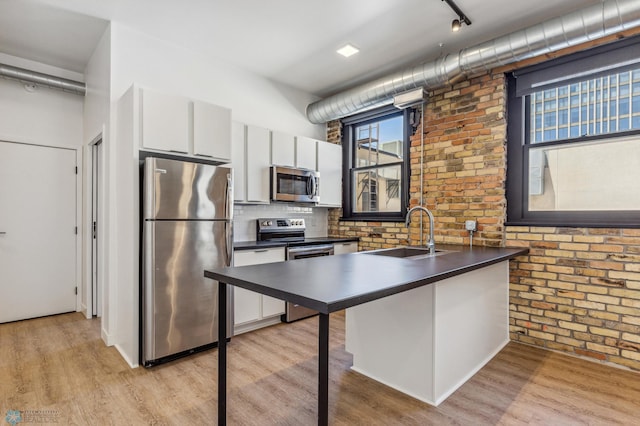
3,233
260,251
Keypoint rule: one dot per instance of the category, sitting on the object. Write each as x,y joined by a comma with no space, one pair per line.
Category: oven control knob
270,223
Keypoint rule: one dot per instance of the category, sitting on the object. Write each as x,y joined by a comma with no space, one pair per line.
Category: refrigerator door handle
229,238
228,202
229,215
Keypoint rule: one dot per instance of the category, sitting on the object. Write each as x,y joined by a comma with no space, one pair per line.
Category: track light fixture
462,18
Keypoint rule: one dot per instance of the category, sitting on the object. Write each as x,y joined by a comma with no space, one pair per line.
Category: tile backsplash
244,218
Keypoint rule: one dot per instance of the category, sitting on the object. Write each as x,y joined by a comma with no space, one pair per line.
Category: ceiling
289,41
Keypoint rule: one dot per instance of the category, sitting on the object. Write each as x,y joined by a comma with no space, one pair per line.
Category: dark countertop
253,245
332,283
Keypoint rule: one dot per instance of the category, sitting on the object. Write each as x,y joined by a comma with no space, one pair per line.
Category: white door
37,231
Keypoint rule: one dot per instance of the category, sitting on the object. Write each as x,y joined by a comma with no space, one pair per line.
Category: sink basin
406,252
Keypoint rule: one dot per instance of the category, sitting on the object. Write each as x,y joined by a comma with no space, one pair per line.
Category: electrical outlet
470,225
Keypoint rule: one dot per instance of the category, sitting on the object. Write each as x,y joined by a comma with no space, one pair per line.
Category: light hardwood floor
59,364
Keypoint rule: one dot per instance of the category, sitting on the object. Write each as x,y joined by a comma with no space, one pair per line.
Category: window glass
603,105
379,142
600,175
376,190
375,146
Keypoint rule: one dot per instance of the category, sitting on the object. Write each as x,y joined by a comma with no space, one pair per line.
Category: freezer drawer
180,305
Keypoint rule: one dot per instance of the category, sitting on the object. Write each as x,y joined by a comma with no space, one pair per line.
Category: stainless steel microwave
294,184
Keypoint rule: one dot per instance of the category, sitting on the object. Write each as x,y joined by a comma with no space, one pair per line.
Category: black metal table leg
222,353
323,370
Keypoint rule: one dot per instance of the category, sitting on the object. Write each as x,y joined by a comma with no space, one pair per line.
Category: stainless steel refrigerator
187,227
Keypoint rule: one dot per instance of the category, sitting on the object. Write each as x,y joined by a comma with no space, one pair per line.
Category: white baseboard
126,358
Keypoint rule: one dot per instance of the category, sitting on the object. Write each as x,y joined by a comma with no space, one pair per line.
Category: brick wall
464,169
578,290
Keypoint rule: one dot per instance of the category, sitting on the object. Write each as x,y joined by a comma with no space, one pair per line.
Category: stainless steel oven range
292,231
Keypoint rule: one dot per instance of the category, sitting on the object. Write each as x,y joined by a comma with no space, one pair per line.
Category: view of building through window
378,172
599,173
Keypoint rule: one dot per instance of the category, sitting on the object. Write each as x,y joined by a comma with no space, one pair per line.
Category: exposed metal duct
15,73
609,17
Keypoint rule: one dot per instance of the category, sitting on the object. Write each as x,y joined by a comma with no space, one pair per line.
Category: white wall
149,62
253,99
44,117
97,111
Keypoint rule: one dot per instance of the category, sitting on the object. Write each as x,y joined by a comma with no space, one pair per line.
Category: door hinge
76,290
76,169
95,230
76,230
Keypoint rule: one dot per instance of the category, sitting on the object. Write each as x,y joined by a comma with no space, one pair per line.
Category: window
574,140
375,147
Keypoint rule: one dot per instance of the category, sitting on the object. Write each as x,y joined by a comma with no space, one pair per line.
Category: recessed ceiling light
348,50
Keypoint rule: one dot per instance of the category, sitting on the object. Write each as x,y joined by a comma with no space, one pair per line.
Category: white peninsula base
429,341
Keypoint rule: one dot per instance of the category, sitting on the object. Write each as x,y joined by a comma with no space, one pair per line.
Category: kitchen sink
407,252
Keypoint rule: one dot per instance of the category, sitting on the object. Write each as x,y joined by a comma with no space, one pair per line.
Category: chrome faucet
431,244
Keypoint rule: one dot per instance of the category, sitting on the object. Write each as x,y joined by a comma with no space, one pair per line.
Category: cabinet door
238,161
347,247
306,153
283,149
272,307
248,305
257,164
330,168
211,131
258,257
165,121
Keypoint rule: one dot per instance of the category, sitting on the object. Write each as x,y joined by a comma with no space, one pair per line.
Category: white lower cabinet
346,247
253,310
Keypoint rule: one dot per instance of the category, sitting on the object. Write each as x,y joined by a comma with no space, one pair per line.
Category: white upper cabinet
165,122
177,124
238,161
211,131
330,168
258,164
306,153
282,149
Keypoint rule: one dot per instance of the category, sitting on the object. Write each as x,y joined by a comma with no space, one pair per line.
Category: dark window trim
349,123
517,185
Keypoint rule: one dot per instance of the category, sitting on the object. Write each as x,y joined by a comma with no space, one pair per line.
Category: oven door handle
310,250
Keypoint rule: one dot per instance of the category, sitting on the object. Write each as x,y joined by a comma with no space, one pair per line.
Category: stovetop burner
280,229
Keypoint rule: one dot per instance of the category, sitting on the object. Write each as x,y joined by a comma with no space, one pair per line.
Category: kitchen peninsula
470,298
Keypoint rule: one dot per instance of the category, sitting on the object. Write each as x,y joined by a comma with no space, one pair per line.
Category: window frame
349,125
518,146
